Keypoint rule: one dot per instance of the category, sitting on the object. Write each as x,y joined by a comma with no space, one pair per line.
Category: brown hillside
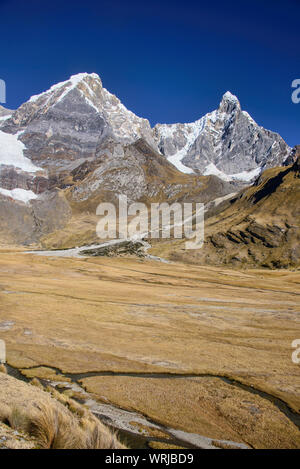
260,227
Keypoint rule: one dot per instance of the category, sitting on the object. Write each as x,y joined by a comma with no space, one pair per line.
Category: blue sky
168,61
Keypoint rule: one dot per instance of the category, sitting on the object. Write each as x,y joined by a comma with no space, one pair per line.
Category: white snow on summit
126,126
70,84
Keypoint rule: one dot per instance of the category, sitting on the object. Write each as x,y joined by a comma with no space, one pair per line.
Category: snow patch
11,153
192,131
245,176
212,170
4,118
19,194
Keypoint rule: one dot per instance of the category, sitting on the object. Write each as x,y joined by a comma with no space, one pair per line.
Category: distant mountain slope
260,227
141,174
65,216
77,120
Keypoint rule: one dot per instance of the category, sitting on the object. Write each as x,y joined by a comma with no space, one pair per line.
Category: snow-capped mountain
72,121
226,142
78,120
58,130
77,128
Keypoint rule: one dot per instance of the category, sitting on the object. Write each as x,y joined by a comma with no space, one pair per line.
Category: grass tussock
61,423
36,382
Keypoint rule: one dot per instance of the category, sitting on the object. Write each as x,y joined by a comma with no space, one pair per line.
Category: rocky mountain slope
226,142
259,227
4,113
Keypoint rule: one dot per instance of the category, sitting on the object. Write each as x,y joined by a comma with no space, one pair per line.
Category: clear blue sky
168,61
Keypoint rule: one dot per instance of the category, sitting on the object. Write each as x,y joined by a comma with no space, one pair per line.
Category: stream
121,419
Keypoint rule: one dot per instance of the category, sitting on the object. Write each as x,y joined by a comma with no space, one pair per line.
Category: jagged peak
230,97
229,102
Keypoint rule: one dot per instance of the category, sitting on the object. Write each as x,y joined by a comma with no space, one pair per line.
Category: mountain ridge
76,145
209,145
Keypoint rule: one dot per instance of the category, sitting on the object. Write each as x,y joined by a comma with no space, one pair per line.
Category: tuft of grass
55,427
5,412
97,436
36,382
18,419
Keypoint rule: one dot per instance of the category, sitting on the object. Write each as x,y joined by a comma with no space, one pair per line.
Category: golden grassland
203,405
138,316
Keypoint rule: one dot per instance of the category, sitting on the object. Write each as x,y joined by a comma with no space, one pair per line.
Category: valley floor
200,355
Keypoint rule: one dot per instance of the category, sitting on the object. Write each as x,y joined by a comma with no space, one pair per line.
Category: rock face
25,223
75,121
140,173
293,156
122,248
226,142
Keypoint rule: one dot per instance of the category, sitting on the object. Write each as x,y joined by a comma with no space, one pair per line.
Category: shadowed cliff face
260,227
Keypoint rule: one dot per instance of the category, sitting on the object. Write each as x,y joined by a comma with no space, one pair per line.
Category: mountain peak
229,103
68,85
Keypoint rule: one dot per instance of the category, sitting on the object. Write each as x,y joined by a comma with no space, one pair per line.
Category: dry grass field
224,335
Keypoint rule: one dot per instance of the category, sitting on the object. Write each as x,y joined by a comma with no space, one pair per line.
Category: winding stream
121,419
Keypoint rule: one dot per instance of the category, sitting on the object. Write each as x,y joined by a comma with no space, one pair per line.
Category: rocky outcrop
11,178
135,248
293,156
